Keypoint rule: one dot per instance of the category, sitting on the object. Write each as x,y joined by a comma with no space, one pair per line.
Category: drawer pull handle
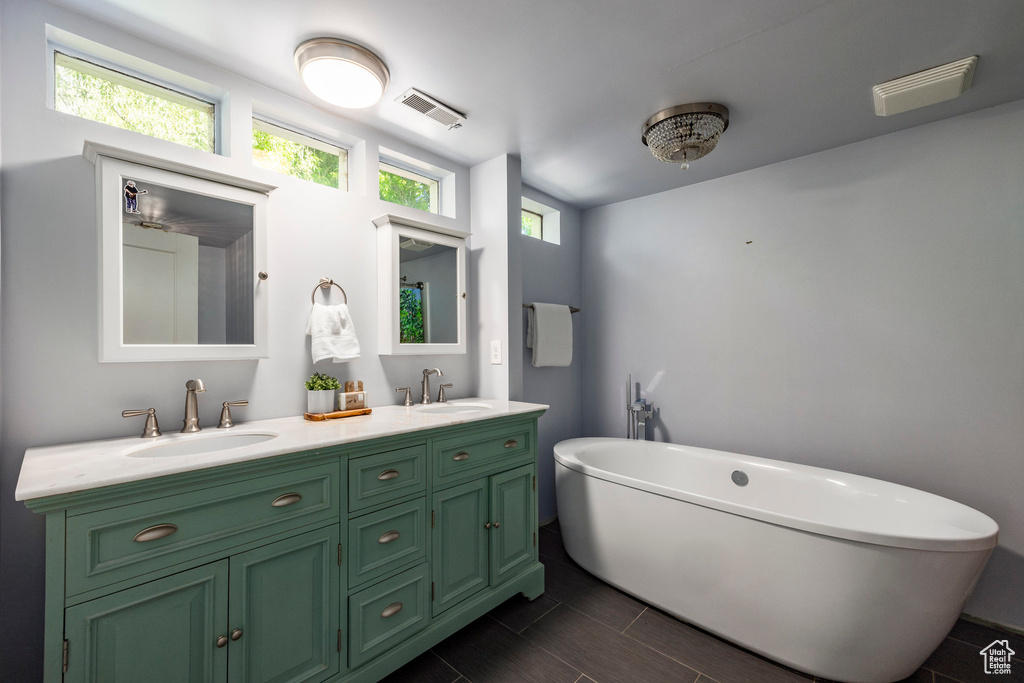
387,474
391,610
511,443
388,537
286,499
460,456
222,641
155,532
236,634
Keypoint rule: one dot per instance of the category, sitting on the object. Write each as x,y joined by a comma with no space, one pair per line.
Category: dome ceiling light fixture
681,134
342,73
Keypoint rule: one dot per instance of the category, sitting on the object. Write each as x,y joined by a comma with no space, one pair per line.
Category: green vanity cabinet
333,565
484,532
266,615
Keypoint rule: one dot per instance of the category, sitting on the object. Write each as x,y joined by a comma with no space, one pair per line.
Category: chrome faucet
193,387
426,384
637,413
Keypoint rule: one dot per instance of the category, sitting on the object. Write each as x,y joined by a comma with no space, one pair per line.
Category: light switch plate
495,352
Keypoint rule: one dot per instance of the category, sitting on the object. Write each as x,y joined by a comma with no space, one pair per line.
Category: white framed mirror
182,264
421,290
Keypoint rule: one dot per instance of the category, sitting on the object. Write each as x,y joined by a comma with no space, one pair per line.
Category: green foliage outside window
410,306
532,224
81,89
405,191
294,158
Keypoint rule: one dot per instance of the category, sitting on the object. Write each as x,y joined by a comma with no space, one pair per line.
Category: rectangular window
100,94
533,224
400,186
285,151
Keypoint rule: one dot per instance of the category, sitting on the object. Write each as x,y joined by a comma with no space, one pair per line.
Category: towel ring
325,283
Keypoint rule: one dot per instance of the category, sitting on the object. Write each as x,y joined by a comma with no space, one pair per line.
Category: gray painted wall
50,234
860,309
552,274
212,292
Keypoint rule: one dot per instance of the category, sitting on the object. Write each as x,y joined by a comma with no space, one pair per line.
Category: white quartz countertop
53,470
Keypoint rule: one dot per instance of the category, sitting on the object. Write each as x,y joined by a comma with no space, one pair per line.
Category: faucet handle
441,398
152,429
225,413
408,395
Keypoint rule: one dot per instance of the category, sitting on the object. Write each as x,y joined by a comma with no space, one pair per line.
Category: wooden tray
319,417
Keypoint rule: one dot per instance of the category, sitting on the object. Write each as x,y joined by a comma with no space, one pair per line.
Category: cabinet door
285,606
512,513
164,631
459,554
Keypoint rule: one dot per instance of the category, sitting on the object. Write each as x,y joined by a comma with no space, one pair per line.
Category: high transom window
402,186
285,151
97,93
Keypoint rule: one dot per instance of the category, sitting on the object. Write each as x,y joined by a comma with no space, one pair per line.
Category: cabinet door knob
388,537
497,524
155,532
487,525
236,634
460,456
511,443
286,499
387,474
222,641
391,610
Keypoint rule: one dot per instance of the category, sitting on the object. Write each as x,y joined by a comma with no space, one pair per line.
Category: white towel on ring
549,334
333,335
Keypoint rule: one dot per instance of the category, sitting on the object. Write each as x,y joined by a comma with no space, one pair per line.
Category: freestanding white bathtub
834,574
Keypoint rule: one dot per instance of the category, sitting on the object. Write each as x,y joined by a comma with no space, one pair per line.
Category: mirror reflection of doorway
161,290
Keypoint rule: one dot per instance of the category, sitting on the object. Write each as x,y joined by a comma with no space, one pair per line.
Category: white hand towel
333,334
549,334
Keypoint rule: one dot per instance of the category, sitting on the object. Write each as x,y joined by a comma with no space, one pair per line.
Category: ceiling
568,84
216,222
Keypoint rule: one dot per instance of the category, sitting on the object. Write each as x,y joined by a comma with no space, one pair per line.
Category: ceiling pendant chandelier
681,134
342,73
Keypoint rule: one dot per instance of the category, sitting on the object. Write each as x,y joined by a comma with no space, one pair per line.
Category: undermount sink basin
453,408
194,445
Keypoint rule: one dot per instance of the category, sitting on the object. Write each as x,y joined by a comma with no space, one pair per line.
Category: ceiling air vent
427,105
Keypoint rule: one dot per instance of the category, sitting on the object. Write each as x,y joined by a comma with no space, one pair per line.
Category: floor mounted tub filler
841,576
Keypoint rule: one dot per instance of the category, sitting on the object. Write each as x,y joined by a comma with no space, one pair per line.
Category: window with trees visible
408,188
97,93
287,152
533,224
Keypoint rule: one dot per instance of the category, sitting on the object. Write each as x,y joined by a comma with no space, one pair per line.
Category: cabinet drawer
460,457
386,539
386,614
381,477
123,542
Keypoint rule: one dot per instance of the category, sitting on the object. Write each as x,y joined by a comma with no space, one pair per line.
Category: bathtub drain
740,478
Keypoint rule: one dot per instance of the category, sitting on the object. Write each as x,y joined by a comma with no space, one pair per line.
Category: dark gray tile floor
584,631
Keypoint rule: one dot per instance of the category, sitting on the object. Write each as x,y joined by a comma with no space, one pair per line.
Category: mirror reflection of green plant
410,307
321,382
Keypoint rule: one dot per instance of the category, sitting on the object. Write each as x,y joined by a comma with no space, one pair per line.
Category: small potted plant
320,390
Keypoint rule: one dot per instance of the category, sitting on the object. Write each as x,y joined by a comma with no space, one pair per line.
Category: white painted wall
551,273
495,272
55,390
860,309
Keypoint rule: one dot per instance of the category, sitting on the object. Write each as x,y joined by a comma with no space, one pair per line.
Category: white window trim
551,222
132,75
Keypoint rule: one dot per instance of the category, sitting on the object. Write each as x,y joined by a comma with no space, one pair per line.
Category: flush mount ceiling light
679,135
342,73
